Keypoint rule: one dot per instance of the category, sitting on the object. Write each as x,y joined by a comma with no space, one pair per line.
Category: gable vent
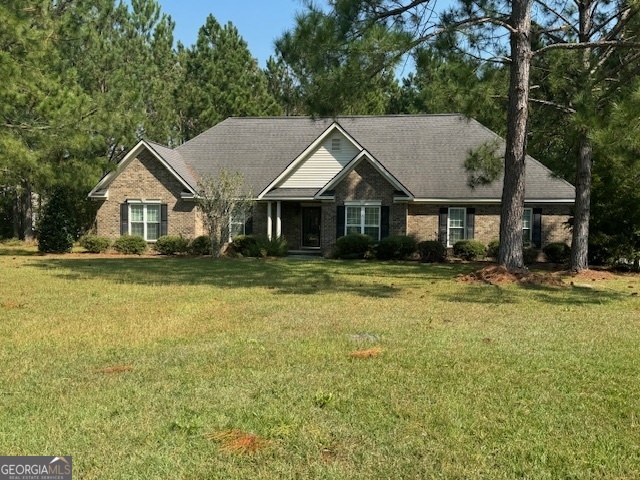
335,144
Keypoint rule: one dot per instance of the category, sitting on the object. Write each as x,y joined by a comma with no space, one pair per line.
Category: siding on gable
322,164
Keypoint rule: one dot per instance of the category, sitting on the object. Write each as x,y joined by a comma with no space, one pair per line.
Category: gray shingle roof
425,153
175,161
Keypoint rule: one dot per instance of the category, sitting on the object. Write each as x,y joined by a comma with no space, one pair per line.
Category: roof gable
171,160
319,162
364,156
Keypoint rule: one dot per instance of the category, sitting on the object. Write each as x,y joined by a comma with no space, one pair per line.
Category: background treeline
82,81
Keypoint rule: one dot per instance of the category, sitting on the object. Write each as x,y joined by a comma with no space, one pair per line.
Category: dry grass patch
368,353
237,441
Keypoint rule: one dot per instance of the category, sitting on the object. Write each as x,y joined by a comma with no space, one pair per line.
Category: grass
191,368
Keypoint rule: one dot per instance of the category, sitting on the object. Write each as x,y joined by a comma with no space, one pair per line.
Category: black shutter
163,220
248,226
124,219
471,222
536,232
442,225
384,222
340,212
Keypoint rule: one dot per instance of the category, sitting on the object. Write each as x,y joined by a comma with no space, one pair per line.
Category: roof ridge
329,117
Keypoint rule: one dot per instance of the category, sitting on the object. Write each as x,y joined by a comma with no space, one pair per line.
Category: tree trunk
510,253
15,217
26,211
580,238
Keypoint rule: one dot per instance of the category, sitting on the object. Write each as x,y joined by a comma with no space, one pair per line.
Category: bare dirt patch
237,441
368,353
499,275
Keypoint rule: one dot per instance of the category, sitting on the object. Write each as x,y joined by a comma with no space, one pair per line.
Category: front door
311,227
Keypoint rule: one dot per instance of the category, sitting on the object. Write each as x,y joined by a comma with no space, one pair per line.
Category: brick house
317,179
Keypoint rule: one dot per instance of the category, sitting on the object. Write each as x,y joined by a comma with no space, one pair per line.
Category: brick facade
146,178
362,183
422,222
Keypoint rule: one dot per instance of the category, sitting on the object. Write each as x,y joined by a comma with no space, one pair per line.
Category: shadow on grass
18,252
370,279
568,296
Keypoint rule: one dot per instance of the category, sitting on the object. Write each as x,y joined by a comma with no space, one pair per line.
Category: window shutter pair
124,219
444,220
384,221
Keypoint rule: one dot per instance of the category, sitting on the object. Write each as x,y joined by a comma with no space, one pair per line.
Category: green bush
557,252
530,255
395,248
200,245
55,228
246,245
130,245
493,248
353,246
432,251
171,245
262,247
469,249
94,243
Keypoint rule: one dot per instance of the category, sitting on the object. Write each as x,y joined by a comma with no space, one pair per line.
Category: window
456,227
527,222
144,220
363,219
335,144
237,224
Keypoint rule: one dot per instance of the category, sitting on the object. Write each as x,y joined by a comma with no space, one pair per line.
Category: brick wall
362,183
145,177
422,222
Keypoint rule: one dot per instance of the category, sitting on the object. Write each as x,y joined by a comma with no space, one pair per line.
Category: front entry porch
300,223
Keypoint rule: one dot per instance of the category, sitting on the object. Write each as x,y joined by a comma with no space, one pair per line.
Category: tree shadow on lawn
18,252
570,295
283,276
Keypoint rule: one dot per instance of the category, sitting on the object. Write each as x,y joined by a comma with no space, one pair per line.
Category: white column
269,221
278,219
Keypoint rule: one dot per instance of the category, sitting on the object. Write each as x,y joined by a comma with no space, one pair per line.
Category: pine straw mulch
499,275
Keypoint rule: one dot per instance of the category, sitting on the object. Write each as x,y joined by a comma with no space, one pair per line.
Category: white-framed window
363,217
237,224
144,220
456,225
527,225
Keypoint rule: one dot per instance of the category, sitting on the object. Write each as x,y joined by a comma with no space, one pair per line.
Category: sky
260,22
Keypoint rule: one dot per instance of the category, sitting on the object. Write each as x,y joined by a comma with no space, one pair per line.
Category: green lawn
473,381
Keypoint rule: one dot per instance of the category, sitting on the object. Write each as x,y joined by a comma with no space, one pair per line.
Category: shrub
493,248
171,245
200,245
276,247
94,243
557,252
56,224
432,251
469,249
395,248
130,245
529,255
353,246
246,245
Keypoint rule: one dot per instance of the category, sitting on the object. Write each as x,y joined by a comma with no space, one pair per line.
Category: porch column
278,218
269,221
